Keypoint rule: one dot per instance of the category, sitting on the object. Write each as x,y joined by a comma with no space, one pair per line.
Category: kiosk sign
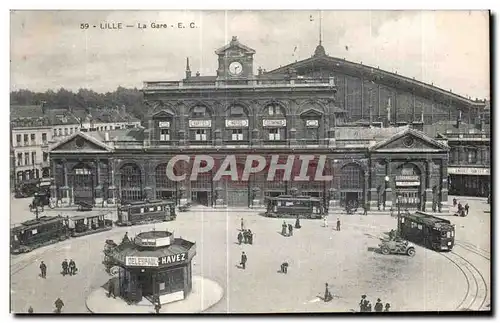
172,259
141,261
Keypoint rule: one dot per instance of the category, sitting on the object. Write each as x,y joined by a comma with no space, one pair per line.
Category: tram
82,225
37,233
142,212
286,206
427,230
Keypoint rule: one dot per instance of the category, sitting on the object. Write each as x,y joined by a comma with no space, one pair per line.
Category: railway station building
369,124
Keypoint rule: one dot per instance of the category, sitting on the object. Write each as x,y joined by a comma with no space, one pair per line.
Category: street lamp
398,200
386,178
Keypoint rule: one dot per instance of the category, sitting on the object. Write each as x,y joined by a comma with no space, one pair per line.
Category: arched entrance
165,188
201,187
81,179
409,193
130,183
351,181
236,190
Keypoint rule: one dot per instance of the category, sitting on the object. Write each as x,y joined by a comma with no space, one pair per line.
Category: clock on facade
235,68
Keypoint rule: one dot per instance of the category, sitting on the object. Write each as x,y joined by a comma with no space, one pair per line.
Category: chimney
188,70
106,136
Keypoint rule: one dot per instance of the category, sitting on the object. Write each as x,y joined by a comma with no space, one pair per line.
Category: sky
50,50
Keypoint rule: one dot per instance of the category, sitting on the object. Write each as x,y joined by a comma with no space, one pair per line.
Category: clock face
235,68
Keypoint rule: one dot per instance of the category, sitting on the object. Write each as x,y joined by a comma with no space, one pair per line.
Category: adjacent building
368,123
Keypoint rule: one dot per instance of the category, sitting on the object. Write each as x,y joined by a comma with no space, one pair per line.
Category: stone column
366,188
112,188
388,189
65,195
218,137
293,137
373,204
255,137
445,208
99,193
428,190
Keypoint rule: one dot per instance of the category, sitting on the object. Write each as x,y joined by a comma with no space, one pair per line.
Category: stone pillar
388,189
333,198
366,189
112,188
255,137
99,193
65,194
182,137
373,203
331,137
428,190
445,208
218,137
293,137
53,187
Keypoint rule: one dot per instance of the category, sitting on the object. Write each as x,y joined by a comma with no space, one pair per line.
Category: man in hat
338,224
245,236
250,236
65,267
284,267
379,307
43,270
297,223
466,208
387,307
290,230
283,229
59,305
242,225
244,259
72,267
362,303
328,295
240,237
30,310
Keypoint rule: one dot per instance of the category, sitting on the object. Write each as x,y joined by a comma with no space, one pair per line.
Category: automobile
397,246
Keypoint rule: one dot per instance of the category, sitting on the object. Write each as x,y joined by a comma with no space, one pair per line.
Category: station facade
368,124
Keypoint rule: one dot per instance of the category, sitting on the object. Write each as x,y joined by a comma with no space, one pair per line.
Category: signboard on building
312,123
408,178
237,123
276,123
468,171
200,123
172,259
141,261
416,183
164,124
157,242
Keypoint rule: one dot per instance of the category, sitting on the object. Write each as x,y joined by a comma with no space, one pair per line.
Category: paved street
344,259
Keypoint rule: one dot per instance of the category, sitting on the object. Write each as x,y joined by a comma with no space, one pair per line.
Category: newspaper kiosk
154,265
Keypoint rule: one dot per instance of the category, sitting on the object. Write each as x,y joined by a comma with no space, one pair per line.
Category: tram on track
142,212
286,206
427,230
37,233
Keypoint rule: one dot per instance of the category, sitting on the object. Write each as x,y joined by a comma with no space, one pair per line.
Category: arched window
236,124
131,183
164,125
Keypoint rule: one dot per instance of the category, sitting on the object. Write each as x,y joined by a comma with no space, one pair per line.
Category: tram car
427,230
37,233
286,206
142,212
82,225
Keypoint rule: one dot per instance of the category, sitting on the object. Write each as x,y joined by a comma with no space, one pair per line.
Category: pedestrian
365,305
65,267
245,236
328,295
362,303
59,305
365,209
387,307
454,202
72,267
325,220
290,230
379,307
460,207
467,208
240,237
284,267
369,307
244,259
111,289
30,310
242,225
125,238
283,229
157,306
43,270
338,224
250,236
297,223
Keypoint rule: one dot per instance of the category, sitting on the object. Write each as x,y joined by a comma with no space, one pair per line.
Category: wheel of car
385,251
411,252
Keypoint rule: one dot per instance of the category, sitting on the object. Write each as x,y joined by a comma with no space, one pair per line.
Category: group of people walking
325,222
245,236
69,268
366,306
462,210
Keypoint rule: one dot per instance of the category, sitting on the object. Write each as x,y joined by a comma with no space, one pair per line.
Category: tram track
477,288
474,249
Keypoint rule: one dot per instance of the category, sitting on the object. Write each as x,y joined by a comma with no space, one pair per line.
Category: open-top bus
287,206
427,230
141,212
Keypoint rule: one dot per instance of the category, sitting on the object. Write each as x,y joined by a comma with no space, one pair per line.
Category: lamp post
398,201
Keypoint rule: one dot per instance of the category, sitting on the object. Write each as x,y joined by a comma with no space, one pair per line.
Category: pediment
409,141
163,114
311,113
80,142
235,47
